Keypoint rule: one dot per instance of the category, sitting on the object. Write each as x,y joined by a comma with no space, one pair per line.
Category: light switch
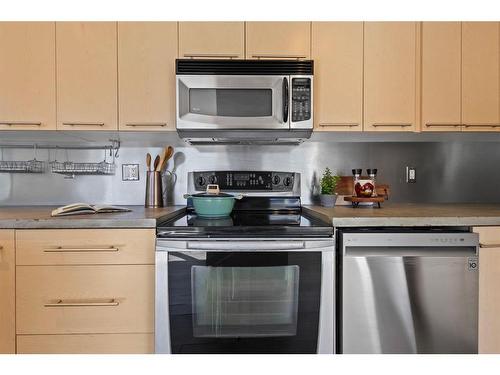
130,172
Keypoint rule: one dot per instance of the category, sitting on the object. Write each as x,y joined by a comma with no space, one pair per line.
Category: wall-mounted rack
67,168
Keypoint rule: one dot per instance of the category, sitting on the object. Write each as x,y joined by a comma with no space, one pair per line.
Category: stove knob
201,181
212,179
276,180
287,181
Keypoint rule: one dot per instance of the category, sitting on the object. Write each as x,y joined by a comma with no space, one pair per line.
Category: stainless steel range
259,281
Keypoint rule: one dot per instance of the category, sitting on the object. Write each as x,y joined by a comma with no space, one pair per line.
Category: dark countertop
409,214
38,217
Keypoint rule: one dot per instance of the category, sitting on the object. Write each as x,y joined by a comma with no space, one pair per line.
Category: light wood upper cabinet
7,293
337,50
86,55
390,76
212,40
27,76
489,298
441,76
146,75
278,40
480,80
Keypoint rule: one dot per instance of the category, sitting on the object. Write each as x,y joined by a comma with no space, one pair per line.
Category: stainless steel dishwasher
407,291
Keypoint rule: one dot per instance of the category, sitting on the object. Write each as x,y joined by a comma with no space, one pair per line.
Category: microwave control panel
301,99
244,181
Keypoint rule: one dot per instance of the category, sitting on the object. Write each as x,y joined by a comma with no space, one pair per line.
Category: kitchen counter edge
38,217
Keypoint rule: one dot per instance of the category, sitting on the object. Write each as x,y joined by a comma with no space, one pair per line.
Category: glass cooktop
246,224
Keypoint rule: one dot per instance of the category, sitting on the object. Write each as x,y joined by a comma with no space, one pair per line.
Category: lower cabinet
81,291
129,343
7,293
489,297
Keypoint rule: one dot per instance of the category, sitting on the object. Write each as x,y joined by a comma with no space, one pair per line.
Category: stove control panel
245,180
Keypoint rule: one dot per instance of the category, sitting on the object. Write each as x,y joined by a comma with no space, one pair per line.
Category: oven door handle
245,245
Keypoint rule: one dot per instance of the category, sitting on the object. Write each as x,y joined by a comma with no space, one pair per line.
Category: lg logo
473,265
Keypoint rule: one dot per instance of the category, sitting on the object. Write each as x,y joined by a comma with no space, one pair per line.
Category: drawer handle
79,303
489,245
1,254
83,123
485,125
23,123
442,125
139,124
349,124
403,125
229,55
61,249
273,56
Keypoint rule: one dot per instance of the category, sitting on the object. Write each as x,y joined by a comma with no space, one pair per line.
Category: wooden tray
355,201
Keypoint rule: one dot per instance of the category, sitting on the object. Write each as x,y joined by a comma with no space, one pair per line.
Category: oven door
272,299
232,102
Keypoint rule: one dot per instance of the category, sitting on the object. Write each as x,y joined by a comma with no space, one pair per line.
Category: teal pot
213,206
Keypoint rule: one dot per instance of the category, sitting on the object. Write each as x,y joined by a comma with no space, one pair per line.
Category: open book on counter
85,208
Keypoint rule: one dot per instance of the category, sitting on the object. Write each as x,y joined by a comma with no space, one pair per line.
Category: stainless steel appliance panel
409,297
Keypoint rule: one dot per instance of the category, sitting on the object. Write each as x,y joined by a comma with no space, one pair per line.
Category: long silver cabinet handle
332,124
229,55
139,124
82,303
61,249
83,123
489,245
437,124
395,124
482,125
273,56
22,123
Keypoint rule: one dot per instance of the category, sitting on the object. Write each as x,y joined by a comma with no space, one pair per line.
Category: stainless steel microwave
244,101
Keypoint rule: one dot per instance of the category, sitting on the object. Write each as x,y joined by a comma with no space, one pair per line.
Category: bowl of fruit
364,188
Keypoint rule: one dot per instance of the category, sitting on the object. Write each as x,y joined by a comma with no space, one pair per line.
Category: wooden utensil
157,161
168,152
148,161
162,160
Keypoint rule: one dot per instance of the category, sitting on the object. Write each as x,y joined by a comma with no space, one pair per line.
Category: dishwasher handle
436,252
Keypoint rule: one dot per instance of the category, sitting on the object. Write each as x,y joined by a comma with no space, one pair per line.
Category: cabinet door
86,76
278,40
480,76
390,76
337,50
212,40
489,299
27,76
441,76
7,293
146,75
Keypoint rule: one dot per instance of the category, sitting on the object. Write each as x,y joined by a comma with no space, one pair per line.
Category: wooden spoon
157,161
162,159
148,161
168,152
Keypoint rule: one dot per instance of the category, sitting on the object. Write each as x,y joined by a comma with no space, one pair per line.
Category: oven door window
244,302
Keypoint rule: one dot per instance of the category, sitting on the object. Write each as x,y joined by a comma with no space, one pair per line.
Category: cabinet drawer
488,236
85,246
128,343
85,299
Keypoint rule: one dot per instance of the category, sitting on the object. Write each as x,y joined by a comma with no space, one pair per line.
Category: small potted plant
328,183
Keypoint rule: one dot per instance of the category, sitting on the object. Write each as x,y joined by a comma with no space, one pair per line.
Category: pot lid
212,195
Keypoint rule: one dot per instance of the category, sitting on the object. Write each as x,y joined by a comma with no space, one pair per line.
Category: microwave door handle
285,100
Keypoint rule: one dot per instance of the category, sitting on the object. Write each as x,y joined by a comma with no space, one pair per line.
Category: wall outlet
411,175
130,172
